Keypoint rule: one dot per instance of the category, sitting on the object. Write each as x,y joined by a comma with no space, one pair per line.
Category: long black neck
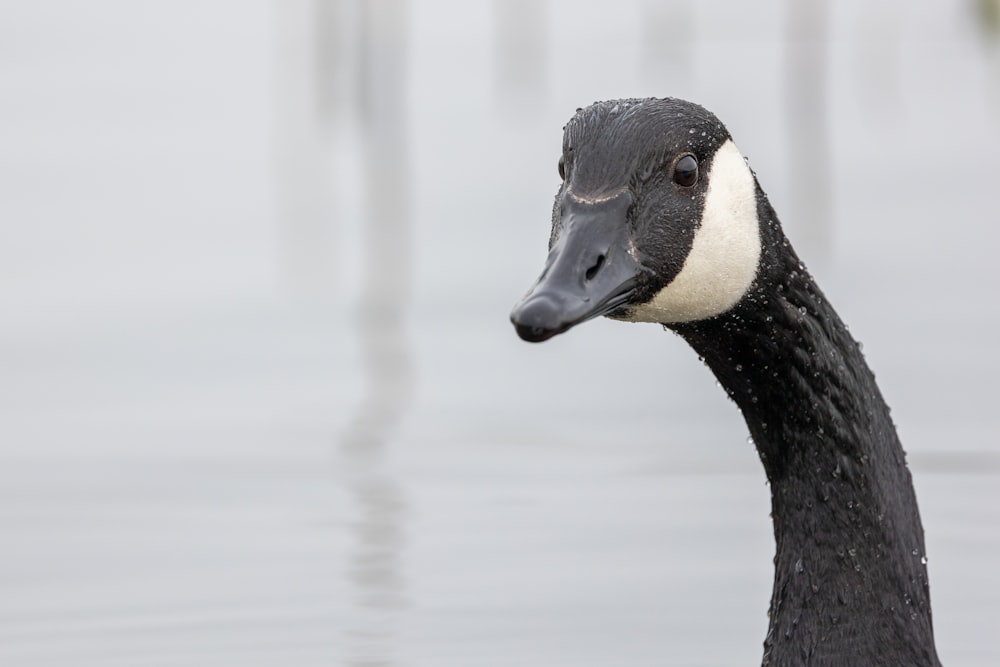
850,584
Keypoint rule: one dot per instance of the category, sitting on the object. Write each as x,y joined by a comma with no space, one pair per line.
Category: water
205,457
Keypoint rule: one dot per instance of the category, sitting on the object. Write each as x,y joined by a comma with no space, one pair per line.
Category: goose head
656,220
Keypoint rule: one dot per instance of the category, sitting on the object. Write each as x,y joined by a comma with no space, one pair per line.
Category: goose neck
850,566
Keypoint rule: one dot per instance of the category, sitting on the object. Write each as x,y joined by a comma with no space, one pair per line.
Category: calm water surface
240,427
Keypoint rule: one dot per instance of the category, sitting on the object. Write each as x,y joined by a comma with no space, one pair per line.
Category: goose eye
562,167
686,171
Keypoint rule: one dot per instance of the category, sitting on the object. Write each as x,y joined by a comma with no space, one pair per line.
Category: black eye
686,171
562,167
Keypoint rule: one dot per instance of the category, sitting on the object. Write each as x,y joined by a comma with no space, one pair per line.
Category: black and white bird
660,219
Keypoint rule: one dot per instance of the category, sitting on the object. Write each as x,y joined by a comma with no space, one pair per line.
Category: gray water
259,400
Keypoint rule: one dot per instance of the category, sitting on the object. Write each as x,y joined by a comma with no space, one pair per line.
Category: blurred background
260,403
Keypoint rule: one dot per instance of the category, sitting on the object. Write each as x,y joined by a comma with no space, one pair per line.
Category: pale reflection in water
806,82
375,574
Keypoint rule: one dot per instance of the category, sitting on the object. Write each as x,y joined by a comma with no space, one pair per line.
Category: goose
659,218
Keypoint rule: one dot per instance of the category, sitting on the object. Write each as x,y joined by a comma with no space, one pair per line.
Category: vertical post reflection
520,52
809,132
303,147
877,59
988,18
375,571
667,34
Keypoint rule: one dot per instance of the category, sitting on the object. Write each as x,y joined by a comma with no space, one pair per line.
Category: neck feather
850,568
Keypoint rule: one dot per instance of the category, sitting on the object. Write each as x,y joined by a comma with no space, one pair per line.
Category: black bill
589,272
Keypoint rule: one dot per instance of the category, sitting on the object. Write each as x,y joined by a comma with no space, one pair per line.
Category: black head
655,220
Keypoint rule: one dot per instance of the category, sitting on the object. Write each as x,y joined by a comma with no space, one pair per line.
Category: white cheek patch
725,251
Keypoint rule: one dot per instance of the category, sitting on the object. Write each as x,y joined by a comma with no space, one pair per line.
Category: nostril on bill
592,271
